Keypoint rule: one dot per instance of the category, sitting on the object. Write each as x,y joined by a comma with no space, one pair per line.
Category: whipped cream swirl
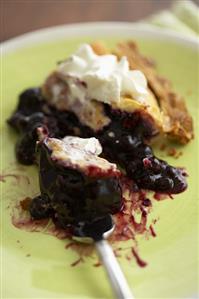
105,78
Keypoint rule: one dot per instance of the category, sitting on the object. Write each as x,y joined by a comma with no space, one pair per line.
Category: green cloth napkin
183,17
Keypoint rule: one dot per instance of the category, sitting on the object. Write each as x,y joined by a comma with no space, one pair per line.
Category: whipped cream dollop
103,77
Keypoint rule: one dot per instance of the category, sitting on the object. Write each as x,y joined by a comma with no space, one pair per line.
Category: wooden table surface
20,16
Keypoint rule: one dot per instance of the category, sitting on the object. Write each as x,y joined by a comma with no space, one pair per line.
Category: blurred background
21,16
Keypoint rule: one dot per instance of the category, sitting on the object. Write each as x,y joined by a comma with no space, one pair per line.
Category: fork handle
117,279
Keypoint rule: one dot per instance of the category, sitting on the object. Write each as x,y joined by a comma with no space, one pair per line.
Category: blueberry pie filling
123,141
76,185
128,150
98,100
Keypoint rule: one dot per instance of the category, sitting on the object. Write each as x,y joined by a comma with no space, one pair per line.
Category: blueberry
129,143
25,150
164,183
30,101
40,207
35,120
18,121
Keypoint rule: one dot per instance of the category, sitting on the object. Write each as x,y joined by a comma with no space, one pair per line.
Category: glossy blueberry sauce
69,197
123,141
127,225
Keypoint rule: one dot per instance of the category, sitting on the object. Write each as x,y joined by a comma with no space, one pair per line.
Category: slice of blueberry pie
98,109
77,186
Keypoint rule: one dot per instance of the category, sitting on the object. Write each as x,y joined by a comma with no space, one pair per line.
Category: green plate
37,265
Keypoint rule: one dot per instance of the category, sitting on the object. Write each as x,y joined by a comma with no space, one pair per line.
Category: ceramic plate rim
146,31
